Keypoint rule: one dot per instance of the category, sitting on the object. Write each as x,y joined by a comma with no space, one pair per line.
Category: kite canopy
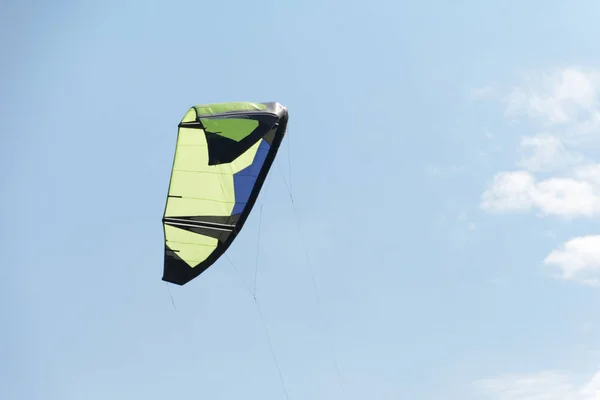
223,155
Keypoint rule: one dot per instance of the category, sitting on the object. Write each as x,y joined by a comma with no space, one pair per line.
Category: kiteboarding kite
223,155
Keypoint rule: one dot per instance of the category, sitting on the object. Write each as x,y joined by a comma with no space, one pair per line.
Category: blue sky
442,160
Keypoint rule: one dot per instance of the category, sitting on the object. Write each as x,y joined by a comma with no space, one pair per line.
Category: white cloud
553,177
559,196
546,385
510,191
578,260
565,100
554,174
559,97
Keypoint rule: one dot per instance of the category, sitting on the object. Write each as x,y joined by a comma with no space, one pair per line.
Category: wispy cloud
545,153
482,92
568,95
435,170
546,385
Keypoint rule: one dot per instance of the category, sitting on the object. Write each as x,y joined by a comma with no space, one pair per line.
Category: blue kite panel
244,180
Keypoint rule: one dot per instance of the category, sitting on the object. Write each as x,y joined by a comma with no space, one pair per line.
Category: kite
223,155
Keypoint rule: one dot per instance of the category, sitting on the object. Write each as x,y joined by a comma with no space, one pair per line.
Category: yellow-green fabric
199,189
